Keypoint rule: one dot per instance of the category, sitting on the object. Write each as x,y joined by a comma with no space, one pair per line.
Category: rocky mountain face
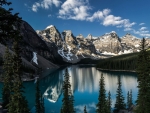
69,47
72,48
58,48
110,42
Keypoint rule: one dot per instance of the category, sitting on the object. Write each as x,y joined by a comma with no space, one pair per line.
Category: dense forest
122,62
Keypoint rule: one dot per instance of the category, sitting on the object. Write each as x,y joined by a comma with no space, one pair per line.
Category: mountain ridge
62,48
98,47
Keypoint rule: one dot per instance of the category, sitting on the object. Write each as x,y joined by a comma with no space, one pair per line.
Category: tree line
122,62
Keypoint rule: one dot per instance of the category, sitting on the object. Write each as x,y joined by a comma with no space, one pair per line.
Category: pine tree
128,100
85,109
102,104
109,101
18,103
42,104
72,110
37,100
120,104
143,72
7,78
68,99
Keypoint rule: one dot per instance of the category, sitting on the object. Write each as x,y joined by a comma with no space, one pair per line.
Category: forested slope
122,62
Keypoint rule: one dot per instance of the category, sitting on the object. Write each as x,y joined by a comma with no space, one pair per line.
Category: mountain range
49,48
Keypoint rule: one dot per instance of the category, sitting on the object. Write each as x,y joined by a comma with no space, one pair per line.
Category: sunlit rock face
51,35
69,38
130,42
148,41
109,42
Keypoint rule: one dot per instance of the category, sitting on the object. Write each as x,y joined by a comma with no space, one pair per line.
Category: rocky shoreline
115,70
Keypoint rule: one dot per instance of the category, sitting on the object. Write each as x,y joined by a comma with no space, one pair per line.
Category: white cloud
117,21
143,32
49,15
89,107
46,4
74,9
143,28
112,20
128,24
141,24
128,29
99,15
145,35
79,10
35,6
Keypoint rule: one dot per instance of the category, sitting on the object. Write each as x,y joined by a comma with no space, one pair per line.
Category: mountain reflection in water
85,87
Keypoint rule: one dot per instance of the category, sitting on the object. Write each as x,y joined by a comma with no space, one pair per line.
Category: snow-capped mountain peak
49,26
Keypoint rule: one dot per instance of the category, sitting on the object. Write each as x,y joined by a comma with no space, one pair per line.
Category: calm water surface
85,87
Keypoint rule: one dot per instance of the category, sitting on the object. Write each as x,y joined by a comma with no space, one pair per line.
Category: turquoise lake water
85,87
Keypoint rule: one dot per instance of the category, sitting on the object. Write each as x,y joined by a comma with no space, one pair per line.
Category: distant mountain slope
31,43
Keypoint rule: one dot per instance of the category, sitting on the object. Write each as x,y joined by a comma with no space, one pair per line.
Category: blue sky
95,17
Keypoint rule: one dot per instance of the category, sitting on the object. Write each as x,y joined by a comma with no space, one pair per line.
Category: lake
85,87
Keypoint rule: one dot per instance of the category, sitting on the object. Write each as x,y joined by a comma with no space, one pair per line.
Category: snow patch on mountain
44,34
34,59
66,55
128,51
137,45
49,26
110,33
108,53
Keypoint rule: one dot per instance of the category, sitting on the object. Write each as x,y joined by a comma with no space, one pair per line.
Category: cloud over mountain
46,4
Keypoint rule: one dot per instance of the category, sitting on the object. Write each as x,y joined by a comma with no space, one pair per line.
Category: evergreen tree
128,100
120,104
102,104
85,109
18,103
7,78
68,99
143,72
109,101
37,100
72,110
42,104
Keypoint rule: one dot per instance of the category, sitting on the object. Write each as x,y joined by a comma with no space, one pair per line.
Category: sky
95,17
